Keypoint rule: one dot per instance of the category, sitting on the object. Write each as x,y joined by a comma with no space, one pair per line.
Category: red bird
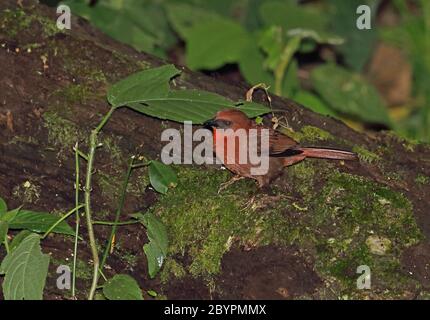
283,150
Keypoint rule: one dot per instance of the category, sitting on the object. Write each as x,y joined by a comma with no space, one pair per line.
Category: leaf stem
289,50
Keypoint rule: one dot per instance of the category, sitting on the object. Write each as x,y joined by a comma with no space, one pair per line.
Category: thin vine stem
77,222
112,223
118,212
289,50
88,189
61,220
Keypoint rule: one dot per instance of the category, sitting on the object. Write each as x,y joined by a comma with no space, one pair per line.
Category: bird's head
229,119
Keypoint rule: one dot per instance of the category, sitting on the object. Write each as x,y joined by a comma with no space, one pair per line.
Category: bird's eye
227,123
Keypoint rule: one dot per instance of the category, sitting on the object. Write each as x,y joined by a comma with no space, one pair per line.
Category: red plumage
283,150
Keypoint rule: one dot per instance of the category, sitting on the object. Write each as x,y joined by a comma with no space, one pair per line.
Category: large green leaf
349,93
289,15
185,17
211,40
162,177
39,222
122,287
192,105
148,92
251,64
148,84
359,43
257,68
140,24
212,44
311,101
25,271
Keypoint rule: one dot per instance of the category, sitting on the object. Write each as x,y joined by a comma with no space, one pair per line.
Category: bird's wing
279,143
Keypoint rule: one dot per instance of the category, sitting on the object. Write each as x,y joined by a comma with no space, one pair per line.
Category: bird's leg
229,183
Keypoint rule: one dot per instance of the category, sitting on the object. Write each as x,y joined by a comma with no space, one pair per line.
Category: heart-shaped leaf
25,271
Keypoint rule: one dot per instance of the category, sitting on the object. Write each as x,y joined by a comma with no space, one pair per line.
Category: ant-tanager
283,150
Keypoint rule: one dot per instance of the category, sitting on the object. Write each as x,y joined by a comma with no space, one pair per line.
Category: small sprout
259,120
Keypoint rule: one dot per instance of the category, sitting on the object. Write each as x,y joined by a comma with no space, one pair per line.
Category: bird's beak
210,124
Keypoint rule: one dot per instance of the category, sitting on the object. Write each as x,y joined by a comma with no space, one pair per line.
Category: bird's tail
328,153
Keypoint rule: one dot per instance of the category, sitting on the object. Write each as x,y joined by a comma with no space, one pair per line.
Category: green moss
110,145
366,155
23,139
130,258
90,74
110,185
302,176
84,270
139,181
49,26
333,216
16,21
201,222
422,179
97,76
393,175
172,268
310,134
73,94
407,143
349,210
62,133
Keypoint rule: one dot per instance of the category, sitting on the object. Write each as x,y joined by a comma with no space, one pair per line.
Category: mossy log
303,238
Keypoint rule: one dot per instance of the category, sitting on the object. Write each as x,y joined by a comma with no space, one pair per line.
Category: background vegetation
309,51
